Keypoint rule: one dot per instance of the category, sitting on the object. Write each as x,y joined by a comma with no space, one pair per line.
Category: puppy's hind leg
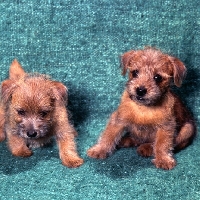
128,141
108,140
185,136
144,149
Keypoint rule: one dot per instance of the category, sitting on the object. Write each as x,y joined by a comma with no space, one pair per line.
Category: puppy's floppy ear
60,91
125,60
16,71
179,70
7,88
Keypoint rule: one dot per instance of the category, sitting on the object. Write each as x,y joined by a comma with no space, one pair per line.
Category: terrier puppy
33,111
154,117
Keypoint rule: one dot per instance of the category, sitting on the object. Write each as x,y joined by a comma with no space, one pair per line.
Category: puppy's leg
108,140
65,136
185,136
145,149
128,141
2,123
67,149
18,146
162,150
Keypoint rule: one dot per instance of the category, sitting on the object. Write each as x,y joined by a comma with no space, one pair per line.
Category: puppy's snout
32,133
141,91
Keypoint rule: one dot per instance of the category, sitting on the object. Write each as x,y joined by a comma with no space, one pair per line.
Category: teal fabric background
79,43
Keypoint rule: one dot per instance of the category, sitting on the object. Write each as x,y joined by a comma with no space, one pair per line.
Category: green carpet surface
79,43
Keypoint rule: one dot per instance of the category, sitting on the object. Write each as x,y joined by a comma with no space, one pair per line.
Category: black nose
32,134
141,91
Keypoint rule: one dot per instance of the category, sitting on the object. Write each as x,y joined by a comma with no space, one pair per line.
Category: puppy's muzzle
141,92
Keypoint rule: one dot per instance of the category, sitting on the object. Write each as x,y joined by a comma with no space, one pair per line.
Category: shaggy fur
154,117
32,112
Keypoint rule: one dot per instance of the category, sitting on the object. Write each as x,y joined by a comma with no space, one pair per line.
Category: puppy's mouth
139,99
142,99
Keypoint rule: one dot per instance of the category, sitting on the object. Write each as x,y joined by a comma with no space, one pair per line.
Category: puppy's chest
143,132
135,113
141,115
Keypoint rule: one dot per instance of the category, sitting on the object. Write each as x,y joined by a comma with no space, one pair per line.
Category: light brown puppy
154,117
32,112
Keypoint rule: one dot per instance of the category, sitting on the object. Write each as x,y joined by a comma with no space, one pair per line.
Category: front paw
71,160
166,162
22,152
97,152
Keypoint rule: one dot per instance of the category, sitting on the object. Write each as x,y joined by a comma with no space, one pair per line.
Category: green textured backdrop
79,43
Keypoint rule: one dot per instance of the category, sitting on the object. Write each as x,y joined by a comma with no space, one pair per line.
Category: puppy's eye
135,73
43,113
21,112
158,78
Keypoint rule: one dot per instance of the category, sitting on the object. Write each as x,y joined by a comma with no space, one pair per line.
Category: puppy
154,117
32,112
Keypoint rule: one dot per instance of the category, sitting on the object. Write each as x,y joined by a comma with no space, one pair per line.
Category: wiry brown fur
154,117
32,112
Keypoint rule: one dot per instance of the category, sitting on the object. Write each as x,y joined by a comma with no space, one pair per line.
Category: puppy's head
31,101
150,74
